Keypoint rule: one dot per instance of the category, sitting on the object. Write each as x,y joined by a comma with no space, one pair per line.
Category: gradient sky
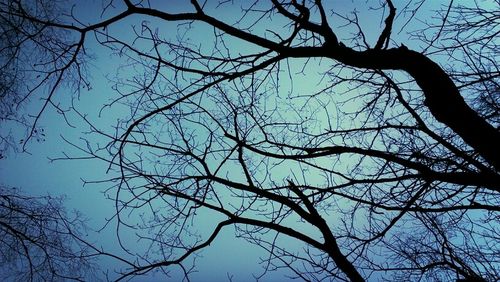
37,175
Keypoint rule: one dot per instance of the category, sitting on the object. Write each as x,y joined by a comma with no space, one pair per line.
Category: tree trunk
442,97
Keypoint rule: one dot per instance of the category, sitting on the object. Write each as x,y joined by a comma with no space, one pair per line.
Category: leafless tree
366,134
39,240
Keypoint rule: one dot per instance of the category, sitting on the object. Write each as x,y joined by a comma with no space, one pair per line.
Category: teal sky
36,174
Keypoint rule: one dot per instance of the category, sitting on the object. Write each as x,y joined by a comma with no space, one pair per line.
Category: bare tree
373,147
39,241
35,59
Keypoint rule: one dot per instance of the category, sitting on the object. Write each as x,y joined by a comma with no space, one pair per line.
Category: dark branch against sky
343,141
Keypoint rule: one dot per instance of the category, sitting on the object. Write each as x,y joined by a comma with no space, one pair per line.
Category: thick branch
442,97
383,40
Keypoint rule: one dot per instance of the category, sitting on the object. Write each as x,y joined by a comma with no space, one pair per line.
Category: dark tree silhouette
349,141
39,241
32,58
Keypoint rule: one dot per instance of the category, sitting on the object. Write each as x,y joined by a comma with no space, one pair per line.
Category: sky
36,172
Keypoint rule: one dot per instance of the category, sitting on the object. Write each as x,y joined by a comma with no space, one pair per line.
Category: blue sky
36,174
